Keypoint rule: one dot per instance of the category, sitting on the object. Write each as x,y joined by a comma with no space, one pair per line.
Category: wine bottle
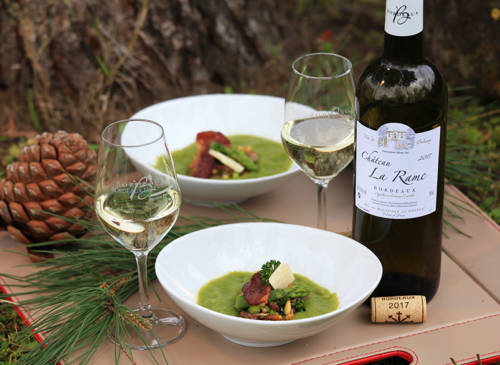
400,157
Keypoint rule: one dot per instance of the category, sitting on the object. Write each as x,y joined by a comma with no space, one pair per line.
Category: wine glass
138,205
320,112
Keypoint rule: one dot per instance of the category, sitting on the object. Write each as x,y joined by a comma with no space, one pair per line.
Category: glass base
166,328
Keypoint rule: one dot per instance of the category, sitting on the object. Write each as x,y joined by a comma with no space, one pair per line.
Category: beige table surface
463,318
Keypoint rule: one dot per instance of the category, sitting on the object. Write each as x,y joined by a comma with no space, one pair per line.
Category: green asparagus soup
272,158
219,295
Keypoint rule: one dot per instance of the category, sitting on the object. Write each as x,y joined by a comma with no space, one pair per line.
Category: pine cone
47,178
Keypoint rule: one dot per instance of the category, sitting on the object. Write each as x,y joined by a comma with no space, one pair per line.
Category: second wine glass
320,113
138,205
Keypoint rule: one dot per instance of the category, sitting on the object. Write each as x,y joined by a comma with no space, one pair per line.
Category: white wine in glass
320,154
138,220
138,206
320,111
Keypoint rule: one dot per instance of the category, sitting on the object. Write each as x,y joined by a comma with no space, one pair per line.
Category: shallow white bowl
230,114
335,262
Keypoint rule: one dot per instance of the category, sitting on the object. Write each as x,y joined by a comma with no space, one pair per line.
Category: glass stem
142,272
321,223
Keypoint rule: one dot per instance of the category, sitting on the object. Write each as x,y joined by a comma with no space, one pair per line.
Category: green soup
272,158
219,295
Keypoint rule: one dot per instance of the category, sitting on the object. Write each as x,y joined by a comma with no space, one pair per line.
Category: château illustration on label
400,156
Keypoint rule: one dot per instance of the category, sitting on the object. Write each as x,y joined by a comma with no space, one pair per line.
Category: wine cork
399,309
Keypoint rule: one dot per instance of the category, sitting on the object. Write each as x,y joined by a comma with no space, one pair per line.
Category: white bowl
230,114
333,261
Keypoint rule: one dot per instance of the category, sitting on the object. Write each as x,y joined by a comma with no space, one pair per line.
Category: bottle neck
404,25
403,49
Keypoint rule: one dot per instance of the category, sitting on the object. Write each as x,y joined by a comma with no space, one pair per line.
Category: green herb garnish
299,305
267,270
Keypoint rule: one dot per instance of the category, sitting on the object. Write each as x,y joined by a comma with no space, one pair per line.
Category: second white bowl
333,261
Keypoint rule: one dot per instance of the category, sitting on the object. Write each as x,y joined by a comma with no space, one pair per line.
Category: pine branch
79,294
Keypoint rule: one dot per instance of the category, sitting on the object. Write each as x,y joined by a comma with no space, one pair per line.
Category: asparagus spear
235,154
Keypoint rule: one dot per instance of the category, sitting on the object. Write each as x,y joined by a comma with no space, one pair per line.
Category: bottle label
396,170
404,17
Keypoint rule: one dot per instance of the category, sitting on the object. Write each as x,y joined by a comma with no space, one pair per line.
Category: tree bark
88,61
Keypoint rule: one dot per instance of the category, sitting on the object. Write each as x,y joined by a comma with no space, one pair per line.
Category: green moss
13,343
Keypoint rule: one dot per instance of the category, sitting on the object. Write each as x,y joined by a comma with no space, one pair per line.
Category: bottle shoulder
414,94
388,81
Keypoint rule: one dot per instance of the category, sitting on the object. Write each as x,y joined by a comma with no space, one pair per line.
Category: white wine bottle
400,157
